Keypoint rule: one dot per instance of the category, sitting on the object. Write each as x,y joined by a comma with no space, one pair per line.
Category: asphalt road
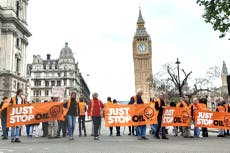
123,144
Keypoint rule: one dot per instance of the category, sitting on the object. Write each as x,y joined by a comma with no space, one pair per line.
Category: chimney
48,56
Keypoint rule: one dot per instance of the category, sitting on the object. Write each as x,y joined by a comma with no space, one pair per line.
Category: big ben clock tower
142,57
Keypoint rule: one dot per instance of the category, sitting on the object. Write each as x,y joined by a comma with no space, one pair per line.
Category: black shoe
96,138
118,134
165,137
4,138
157,136
220,135
44,136
129,134
50,137
85,135
17,140
80,135
145,138
12,140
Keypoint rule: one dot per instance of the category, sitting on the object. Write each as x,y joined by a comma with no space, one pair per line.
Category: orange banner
34,113
176,116
130,115
210,119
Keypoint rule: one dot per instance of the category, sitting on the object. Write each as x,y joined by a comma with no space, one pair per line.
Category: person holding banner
16,100
159,106
141,129
227,107
72,107
95,111
53,125
108,103
185,104
3,108
221,108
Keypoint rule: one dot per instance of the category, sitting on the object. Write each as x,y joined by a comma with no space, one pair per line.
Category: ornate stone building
142,56
45,75
13,43
224,74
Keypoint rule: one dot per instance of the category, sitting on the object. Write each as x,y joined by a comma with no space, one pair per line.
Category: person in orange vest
221,108
16,100
184,103
81,119
141,129
159,106
5,129
95,111
196,106
72,108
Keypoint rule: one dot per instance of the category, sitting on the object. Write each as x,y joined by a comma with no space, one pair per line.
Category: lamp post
178,74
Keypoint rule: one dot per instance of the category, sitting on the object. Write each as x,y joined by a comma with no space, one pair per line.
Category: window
37,93
58,83
47,83
17,8
37,83
47,92
52,83
65,82
59,74
17,65
65,73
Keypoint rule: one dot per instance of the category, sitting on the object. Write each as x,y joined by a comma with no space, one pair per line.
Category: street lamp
178,72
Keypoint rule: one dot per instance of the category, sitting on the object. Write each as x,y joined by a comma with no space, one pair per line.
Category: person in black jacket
5,130
159,106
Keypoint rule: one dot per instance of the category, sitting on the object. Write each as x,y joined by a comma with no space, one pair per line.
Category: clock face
142,47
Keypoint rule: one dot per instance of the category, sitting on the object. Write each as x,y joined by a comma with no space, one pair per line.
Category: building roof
140,18
66,52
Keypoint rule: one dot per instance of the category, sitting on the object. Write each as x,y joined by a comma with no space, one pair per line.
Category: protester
53,125
108,103
175,128
16,100
117,127
203,102
141,128
196,106
159,105
81,119
227,108
62,124
5,130
45,126
72,107
185,104
95,111
220,108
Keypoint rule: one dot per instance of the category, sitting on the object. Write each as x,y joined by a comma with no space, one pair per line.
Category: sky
100,34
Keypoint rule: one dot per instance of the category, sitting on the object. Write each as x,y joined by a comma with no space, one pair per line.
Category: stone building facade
45,75
13,43
142,57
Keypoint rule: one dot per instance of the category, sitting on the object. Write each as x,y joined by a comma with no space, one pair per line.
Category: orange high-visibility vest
14,99
221,109
109,103
82,107
92,107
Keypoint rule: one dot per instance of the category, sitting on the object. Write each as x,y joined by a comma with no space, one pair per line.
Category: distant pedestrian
5,129
117,127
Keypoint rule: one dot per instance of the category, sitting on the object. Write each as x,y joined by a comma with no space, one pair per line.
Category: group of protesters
76,108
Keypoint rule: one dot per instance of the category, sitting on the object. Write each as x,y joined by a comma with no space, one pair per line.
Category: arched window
17,8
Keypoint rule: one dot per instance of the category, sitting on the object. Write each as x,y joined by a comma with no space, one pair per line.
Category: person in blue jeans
72,106
17,100
141,130
5,130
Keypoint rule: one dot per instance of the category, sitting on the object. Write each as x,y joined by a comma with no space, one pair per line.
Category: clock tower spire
142,57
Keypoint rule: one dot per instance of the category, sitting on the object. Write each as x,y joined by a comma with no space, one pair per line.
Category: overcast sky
100,33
